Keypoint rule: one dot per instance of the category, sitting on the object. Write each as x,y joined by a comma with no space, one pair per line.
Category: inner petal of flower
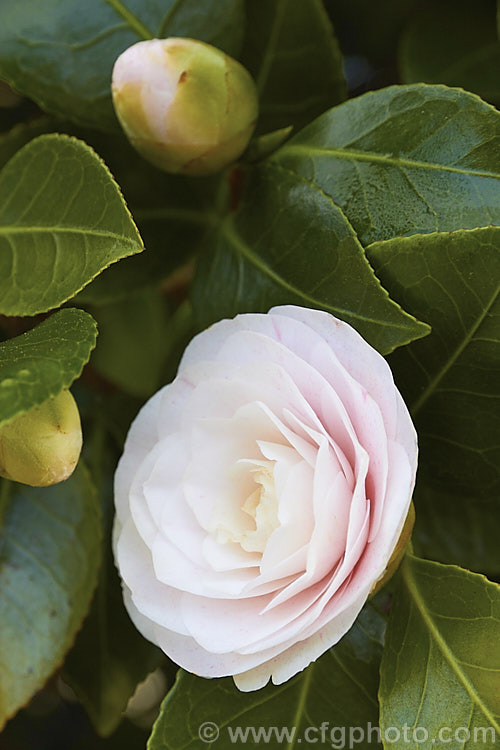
262,507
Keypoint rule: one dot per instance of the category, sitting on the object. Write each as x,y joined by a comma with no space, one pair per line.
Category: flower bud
184,105
42,446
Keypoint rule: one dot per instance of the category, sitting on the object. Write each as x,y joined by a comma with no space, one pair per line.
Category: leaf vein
132,21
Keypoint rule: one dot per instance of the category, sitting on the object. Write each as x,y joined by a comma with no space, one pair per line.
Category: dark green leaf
61,52
65,728
450,380
109,657
133,340
337,692
370,30
49,558
22,134
181,331
173,214
62,221
289,244
441,661
40,363
403,160
466,55
291,50
17,111
457,529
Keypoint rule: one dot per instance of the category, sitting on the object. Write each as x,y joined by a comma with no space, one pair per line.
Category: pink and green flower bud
184,105
42,446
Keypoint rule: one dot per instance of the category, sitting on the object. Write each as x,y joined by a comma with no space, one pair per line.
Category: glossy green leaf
450,380
173,214
457,529
292,52
441,665
289,244
40,363
109,657
403,160
132,344
62,221
50,550
61,52
467,55
331,696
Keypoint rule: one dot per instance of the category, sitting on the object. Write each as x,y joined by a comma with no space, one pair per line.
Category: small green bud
42,446
184,105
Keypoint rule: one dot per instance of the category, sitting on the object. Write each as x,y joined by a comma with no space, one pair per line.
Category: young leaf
450,380
441,663
50,553
289,244
61,52
62,221
291,50
467,55
40,363
320,704
404,159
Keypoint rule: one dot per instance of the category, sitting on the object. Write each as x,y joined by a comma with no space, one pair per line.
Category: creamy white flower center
262,507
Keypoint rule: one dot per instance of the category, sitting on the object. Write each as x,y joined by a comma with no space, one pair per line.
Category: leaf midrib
132,21
432,385
441,643
369,156
301,703
55,229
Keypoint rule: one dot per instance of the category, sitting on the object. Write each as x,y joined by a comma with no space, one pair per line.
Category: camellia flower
184,105
261,495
